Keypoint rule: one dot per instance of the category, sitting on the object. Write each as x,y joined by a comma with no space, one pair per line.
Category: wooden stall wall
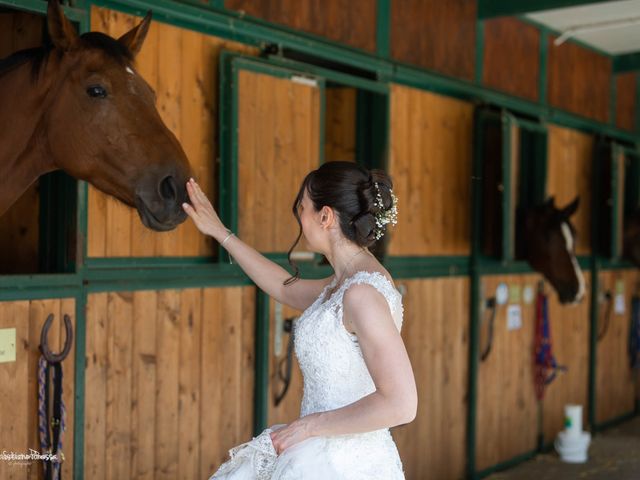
181,66
506,424
570,159
626,100
615,380
278,144
579,80
19,395
435,35
344,21
289,408
511,57
169,381
436,334
430,164
340,124
570,330
19,226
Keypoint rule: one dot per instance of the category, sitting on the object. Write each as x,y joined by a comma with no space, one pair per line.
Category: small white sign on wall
514,317
619,304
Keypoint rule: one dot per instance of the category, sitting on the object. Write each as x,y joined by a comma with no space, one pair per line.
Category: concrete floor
613,455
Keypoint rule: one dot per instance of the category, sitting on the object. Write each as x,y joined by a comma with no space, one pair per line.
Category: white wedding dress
335,375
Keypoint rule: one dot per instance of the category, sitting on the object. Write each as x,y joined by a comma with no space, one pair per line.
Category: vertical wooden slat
189,384
212,452
278,142
13,401
168,351
170,63
68,307
95,425
570,339
118,399
431,163
570,156
191,109
614,377
438,352
506,412
144,378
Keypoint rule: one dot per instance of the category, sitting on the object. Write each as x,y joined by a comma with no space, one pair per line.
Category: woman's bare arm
266,274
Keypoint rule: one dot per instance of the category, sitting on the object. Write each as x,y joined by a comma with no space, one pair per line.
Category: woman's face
310,220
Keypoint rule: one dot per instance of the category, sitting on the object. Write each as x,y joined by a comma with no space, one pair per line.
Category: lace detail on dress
258,452
330,358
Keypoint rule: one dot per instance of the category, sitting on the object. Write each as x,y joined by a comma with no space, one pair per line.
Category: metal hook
44,347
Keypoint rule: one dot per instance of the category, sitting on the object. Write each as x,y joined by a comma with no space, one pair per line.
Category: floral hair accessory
383,216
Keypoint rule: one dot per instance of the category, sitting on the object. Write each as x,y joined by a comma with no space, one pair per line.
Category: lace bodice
333,367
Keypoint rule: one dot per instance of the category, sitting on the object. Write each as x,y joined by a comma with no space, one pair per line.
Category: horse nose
168,189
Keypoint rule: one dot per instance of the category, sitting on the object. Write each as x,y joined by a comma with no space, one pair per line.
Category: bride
358,380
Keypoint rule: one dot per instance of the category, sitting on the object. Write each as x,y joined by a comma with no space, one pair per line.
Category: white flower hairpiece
383,216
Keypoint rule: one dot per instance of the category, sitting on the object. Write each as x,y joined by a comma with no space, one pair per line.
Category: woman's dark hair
348,188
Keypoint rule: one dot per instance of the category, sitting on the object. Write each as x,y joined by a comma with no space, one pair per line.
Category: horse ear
571,208
134,38
62,33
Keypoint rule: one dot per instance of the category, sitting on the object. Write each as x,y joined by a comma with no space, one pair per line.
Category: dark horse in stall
80,105
546,239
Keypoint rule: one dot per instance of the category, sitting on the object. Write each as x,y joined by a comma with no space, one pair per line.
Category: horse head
547,240
102,124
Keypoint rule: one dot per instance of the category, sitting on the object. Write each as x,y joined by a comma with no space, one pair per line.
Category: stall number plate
7,345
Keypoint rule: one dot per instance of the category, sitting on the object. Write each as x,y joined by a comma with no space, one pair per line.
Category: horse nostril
168,189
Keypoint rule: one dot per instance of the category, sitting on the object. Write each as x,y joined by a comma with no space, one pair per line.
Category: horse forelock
112,47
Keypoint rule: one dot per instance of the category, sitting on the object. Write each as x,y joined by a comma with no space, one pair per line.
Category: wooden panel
430,164
278,144
615,391
344,21
19,395
507,412
511,57
570,326
579,80
435,35
436,334
19,226
626,101
182,66
182,362
570,157
340,124
289,408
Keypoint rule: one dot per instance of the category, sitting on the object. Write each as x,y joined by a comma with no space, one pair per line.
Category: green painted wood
628,62
383,28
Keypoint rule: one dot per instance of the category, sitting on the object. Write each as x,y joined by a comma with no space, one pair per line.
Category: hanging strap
545,365
634,334
51,430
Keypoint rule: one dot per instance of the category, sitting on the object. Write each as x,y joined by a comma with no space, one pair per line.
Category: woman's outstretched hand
201,211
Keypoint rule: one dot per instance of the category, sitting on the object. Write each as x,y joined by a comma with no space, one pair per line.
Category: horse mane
38,56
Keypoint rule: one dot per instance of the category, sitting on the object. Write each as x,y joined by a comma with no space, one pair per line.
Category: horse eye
96,91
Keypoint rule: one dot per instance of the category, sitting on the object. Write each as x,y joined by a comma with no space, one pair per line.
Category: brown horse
546,239
81,106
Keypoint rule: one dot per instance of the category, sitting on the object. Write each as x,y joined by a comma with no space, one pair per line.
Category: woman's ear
326,216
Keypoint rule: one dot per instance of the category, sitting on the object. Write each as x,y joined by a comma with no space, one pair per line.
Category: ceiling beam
500,8
627,62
